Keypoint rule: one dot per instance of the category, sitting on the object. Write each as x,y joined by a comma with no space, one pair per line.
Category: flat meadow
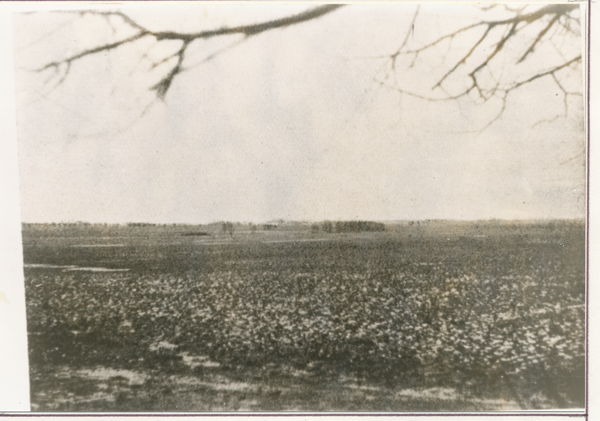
429,316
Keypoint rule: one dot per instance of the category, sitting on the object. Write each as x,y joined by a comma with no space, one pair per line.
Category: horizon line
281,220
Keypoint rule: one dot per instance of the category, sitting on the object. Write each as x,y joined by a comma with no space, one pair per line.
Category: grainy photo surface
309,207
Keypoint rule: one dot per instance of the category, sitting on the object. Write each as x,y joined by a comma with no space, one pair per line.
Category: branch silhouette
547,17
546,24
162,87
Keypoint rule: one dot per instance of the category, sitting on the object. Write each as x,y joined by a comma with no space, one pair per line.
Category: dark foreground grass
357,323
273,389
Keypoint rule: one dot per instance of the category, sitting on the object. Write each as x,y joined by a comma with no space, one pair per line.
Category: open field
420,317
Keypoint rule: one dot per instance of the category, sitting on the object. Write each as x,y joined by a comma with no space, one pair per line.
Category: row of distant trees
326,226
226,226
348,226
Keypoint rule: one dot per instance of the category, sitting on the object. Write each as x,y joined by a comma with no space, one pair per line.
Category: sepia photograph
303,207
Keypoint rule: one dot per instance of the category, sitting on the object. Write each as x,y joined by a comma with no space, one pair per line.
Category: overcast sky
290,124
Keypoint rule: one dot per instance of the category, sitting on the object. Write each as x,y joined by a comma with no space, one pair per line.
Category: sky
289,124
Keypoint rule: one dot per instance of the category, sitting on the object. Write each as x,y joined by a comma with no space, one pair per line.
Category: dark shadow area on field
276,388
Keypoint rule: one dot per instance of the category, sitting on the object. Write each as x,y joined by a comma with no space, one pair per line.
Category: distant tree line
228,228
348,226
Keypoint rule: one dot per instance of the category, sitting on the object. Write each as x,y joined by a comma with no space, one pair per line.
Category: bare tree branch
163,86
475,65
92,51
464,59
539,37
409,32
546,73
548,16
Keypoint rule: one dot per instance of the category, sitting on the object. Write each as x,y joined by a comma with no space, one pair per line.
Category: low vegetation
500,316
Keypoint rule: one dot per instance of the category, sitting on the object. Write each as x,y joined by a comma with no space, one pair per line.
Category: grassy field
420,317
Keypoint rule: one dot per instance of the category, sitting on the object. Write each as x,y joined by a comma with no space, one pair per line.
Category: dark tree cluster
358,226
